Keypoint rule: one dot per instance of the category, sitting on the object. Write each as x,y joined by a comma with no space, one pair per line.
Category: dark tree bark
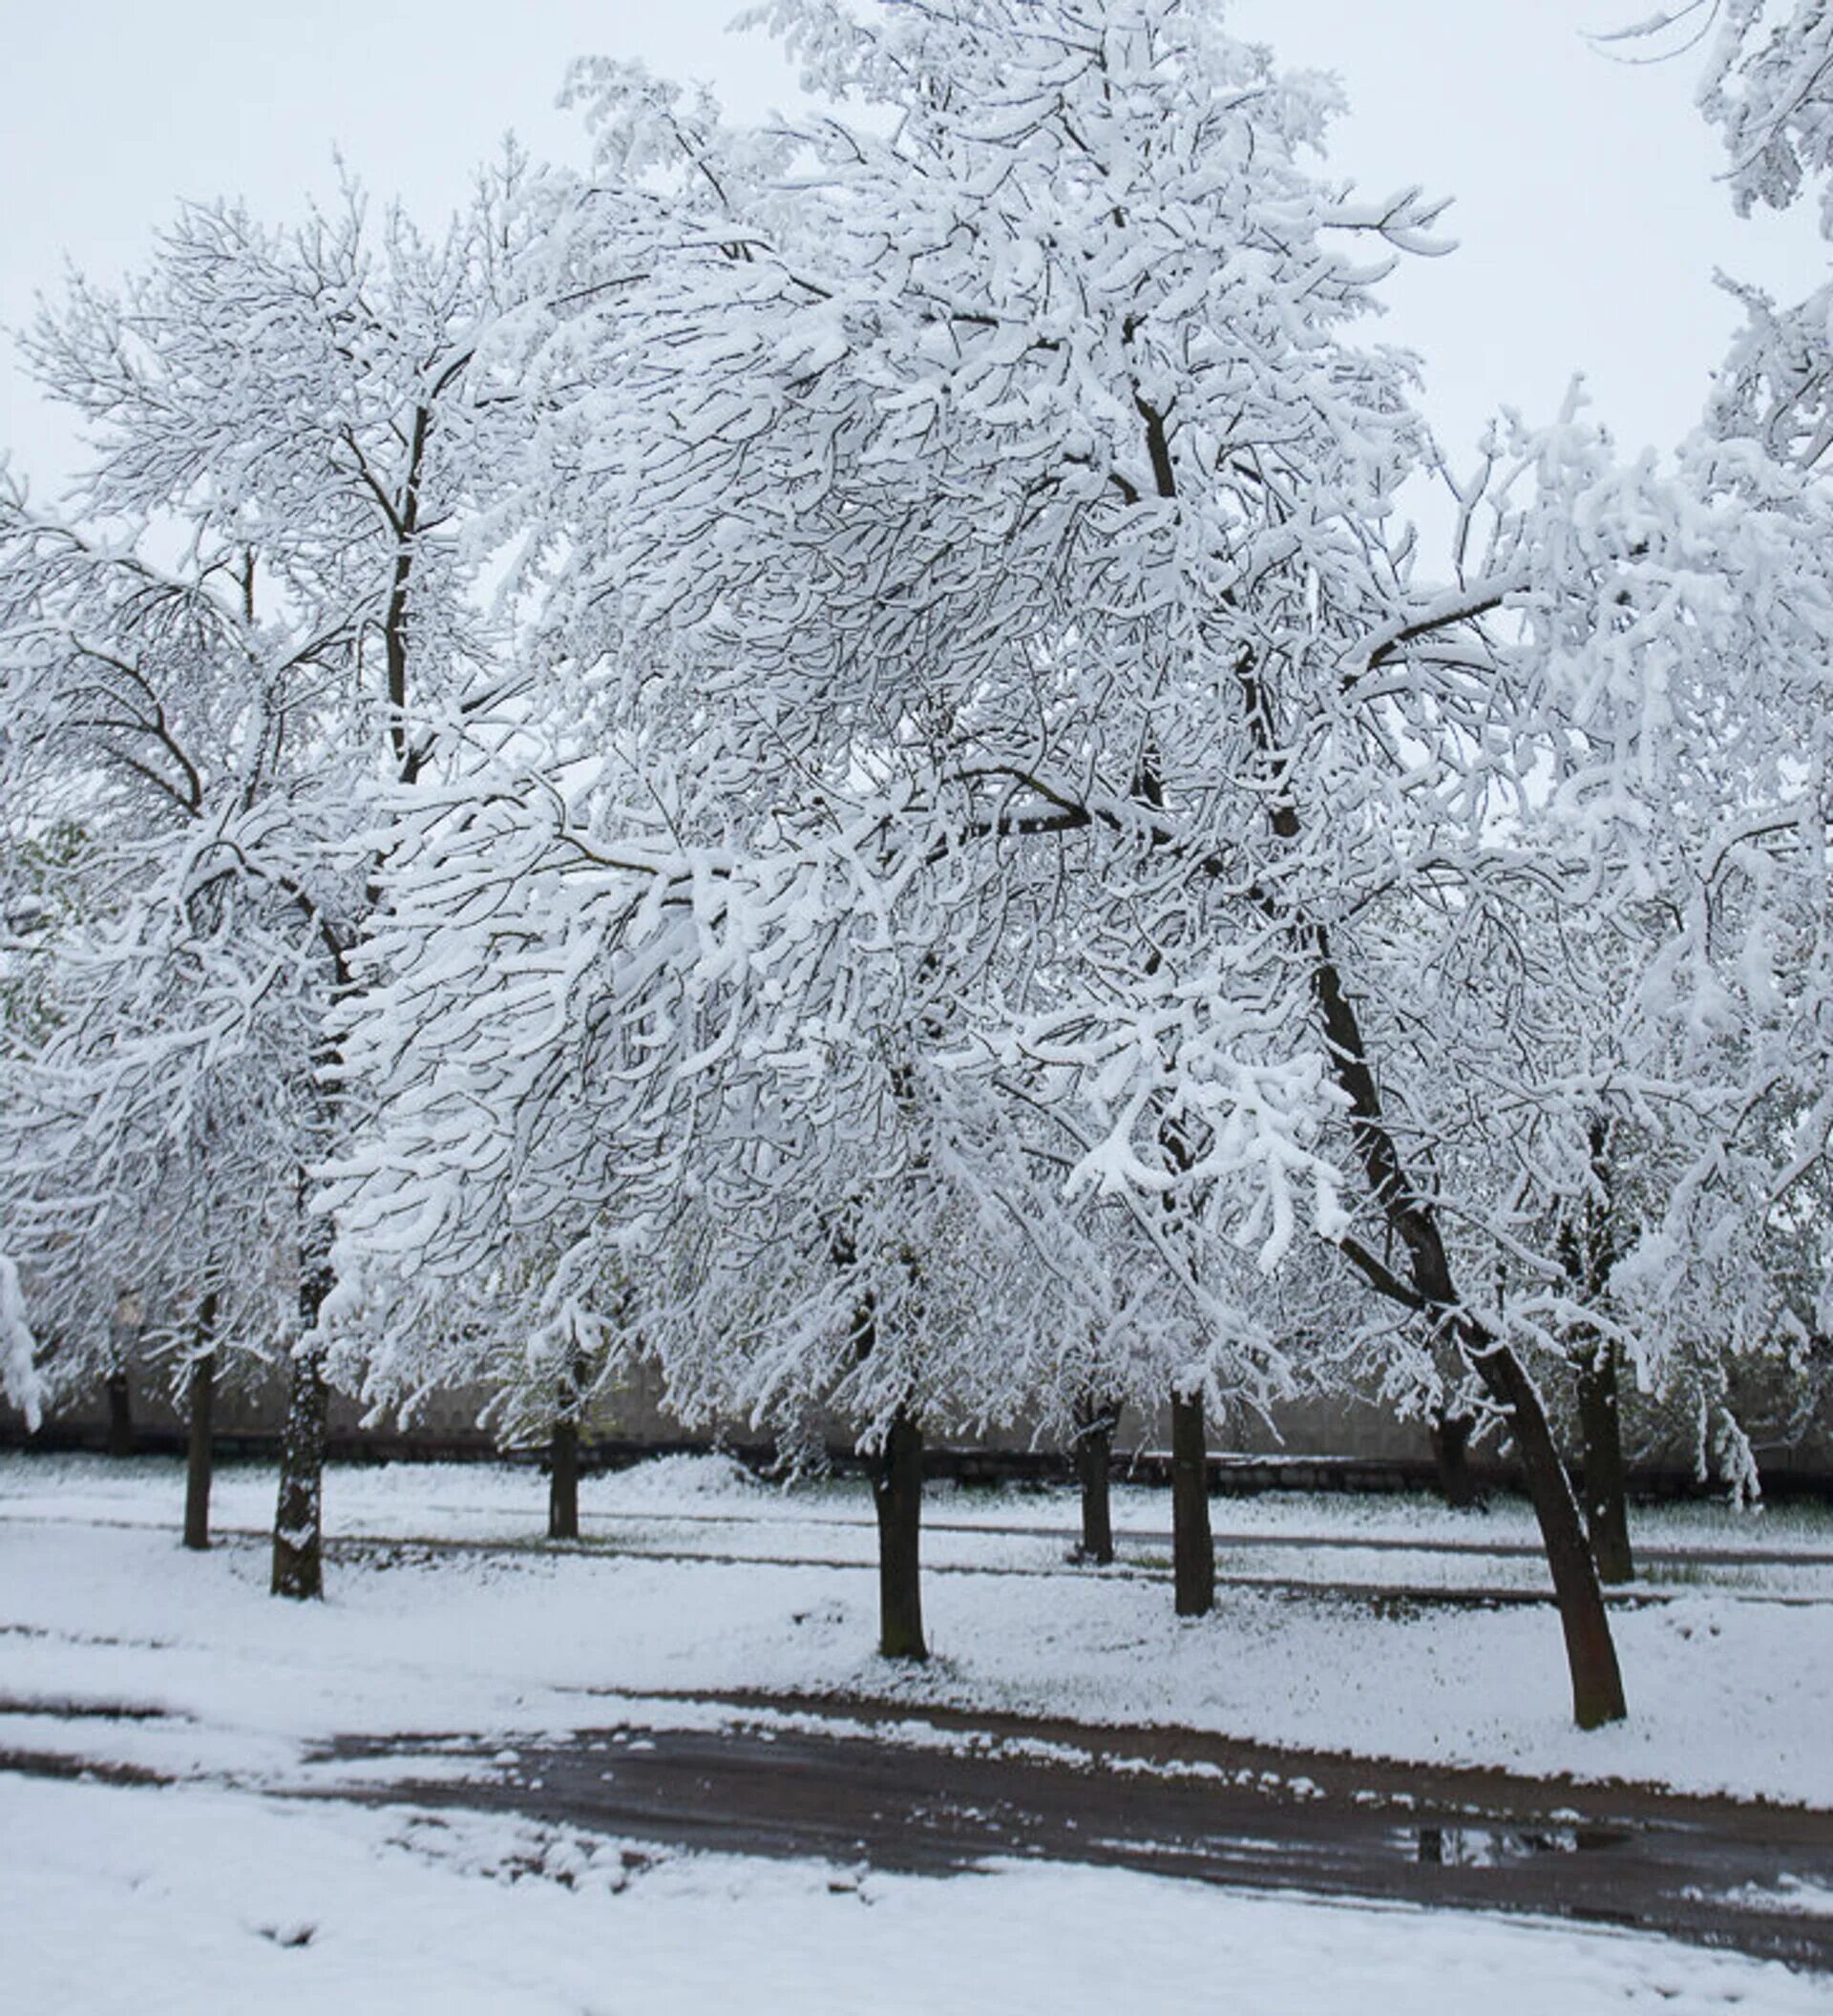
1606,1514
1451,1457
897,1498
298,1561
1590,1655
1589,1251
1424,1281
201,1397
563,1480
1192,1543
1096,1421
299,1552
120,1414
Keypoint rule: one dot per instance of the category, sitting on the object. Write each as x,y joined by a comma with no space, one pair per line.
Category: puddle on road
1464,1847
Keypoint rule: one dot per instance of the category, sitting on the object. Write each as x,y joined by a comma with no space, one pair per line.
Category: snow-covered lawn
501,1499
1729,1690
119,1896
708,1504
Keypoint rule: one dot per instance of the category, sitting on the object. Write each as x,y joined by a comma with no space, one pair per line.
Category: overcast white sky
1588,217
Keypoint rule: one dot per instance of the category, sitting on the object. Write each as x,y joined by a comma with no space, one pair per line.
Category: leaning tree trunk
1607,1516
1193,1544
200,1395
120,1414
897,1498
1412,1222
1096,1421
1596,1681
299,1553
1590,1655
1451,1457
563,1480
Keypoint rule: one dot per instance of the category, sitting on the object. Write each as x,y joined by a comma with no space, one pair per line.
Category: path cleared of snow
138,1903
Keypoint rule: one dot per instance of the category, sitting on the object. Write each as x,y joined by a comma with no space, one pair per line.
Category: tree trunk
1095,1423
299,1554
1192,1546
120,1414
200,1394
897,1498
1451,1457
563,1480
1607,1514
1589,1255
299,1565
1411,1218
1590,1655
1597,1682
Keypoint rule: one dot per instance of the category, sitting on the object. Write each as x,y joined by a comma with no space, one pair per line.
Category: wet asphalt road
943,1793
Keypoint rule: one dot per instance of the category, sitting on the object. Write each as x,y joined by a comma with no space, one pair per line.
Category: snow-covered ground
707,1505
117,1895
699,1578
142,1902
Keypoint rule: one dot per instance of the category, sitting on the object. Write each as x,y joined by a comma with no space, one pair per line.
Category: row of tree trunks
897,1498
1604,1478
200,1394
298,1570
897,1488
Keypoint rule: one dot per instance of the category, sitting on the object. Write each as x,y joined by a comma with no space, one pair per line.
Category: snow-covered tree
149,1118
991,471
1744,986
293,412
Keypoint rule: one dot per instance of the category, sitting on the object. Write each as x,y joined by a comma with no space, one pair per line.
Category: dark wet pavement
937,1793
